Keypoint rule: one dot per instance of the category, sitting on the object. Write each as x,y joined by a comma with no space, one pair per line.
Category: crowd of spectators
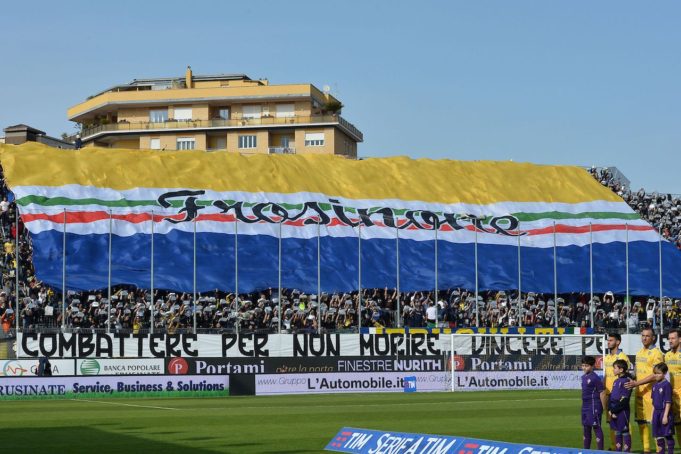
662,211
135,310
131,310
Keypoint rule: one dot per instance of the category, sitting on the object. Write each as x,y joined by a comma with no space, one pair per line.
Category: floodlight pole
397,258
108,279
359,277
281,221
63,277
151,283
626,264
16,256
236,271
477,316
437,226
194,280
555,276
319,277
520,284
591,273
661,291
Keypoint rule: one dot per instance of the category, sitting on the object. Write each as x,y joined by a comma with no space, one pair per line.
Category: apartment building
21,133
226,112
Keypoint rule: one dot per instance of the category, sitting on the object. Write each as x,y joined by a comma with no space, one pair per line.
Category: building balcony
281,150
124,127
112,100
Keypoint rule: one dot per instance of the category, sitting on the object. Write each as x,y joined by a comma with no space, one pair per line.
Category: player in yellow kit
646,358
673,360
614,353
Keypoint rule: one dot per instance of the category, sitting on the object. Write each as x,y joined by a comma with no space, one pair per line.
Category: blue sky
571,82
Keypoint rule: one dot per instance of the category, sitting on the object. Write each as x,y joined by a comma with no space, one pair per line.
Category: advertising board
284,365
12,388
102,345
29,367
351,383
365,441
491,381
133,366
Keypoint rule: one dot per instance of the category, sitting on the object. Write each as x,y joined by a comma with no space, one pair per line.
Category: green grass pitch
284,424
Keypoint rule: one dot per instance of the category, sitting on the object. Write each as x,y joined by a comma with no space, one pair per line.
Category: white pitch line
336,406
123,404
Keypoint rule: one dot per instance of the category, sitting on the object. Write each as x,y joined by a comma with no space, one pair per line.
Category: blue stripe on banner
365,441
498,265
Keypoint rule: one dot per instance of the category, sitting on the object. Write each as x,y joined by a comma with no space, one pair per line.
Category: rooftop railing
235,123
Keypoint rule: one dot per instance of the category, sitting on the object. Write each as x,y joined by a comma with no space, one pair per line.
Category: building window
286,110
158,115
251,111
161,86
248,141
314,139
186,143
182,113
223,113
155,144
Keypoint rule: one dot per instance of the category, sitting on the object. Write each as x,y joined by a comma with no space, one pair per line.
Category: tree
334,106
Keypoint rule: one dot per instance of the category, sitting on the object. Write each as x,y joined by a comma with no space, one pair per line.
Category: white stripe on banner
125,229
499,208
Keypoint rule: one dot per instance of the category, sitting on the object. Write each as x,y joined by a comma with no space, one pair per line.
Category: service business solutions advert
112,386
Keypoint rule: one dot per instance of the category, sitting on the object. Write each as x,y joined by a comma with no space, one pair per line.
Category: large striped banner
500,209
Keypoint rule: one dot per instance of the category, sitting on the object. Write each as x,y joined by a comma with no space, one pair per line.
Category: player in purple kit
618,406
593,402
663,420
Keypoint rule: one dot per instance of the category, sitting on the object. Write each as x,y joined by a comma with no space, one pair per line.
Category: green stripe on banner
528,217
57,201
523,217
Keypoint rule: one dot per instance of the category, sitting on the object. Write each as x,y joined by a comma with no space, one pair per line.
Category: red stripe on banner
216,217
562,228
84,217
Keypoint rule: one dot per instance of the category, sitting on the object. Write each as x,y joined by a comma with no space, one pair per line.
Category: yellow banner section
427,180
